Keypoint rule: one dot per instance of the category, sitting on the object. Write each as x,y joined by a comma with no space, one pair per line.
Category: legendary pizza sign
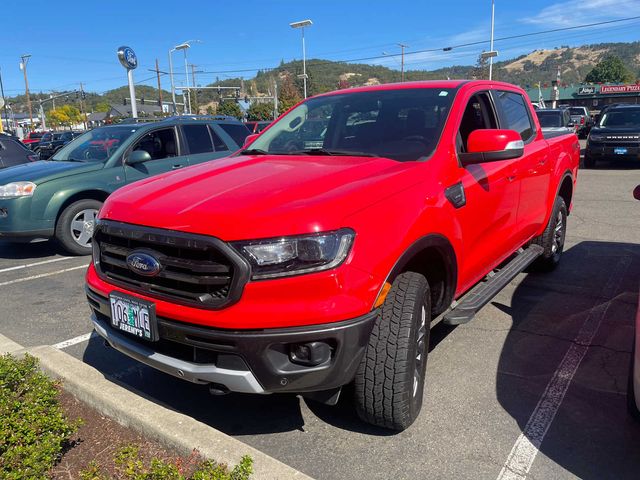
619,89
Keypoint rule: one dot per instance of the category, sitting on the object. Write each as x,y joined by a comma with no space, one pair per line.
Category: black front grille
196,270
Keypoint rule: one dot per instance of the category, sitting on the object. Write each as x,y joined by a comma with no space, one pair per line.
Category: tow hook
218,389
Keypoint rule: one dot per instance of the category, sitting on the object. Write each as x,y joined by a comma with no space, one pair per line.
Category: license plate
620,151
134,316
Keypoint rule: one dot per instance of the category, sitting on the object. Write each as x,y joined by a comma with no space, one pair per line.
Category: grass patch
33,428
129,465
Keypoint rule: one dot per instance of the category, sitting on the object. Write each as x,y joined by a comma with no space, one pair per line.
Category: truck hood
264,196
44,170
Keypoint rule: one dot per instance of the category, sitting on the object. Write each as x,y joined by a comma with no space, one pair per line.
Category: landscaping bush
33,427
130,466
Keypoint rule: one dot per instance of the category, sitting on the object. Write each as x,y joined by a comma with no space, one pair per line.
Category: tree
288,95
230,108
610,69
102,107
66,115
481,71
260,111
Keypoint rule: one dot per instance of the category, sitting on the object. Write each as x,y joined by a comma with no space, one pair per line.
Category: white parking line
42,275
27,265
526,448
74,341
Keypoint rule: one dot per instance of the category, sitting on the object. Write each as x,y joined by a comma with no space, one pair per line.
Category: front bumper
608,151
249,361
17,224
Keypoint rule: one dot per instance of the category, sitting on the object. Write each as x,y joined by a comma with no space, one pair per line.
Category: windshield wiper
328,151
70,160
254,151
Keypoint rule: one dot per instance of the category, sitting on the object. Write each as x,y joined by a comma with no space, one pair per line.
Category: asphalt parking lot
536,382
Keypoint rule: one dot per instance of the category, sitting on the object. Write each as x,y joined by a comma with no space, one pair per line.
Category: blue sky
77,41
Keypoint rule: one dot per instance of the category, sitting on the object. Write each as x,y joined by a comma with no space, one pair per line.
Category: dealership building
594,97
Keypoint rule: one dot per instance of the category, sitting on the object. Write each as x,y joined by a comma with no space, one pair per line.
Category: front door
165,150
491,189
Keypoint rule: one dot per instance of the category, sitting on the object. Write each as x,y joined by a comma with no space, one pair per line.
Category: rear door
533,169
203,143
491,191
166,151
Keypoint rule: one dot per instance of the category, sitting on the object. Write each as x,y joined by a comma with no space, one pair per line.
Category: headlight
287,256
17,189
595,137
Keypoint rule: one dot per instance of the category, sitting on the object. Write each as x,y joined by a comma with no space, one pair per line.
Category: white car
633,392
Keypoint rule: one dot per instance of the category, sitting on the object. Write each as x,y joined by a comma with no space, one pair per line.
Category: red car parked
319,257
32,138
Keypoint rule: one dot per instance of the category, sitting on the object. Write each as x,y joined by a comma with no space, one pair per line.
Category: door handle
511,178
175,167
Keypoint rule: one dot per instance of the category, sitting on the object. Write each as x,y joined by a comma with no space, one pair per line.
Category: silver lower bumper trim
235,380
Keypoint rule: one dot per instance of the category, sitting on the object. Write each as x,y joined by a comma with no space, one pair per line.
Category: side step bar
482,293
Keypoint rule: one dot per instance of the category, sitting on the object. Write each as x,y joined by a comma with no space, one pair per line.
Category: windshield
402,124
576,111
95,146
621,118
57,136
549,119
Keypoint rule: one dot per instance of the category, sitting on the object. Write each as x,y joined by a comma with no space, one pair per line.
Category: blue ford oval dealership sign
127,57
143,264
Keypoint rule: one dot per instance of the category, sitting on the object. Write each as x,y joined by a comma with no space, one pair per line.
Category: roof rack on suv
187,118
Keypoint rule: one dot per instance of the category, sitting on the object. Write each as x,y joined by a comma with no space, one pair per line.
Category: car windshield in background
57,136
237,131
402,124
95,146
549,119
576,111
621,118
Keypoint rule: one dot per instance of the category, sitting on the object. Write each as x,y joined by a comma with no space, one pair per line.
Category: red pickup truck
321,254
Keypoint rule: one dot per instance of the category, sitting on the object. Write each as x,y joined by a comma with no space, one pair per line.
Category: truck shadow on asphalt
594,292
547,311
35,250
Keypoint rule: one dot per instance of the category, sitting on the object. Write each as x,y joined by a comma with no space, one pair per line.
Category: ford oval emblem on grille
143,264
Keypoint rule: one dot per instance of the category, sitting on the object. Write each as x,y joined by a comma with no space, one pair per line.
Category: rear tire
74,228
552,240
389,383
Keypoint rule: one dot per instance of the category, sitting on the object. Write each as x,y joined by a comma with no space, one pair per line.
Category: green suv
60,197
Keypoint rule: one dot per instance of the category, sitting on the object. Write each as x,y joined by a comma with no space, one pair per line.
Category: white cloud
576,12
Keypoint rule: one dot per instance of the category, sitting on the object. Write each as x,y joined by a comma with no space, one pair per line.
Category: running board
482,293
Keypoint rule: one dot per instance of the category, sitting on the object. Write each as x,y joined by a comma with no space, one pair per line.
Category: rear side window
218,144
515,114
237,131
198,138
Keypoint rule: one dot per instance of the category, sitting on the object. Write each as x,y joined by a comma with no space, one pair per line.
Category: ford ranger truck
321,254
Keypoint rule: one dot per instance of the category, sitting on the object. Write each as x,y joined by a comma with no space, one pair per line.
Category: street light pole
493,9
301,24
186,74
23,67
173,87
402,47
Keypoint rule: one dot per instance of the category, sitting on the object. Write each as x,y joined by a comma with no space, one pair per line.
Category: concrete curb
154,421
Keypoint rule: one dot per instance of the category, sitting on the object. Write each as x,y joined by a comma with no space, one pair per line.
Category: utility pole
275,99
23,67
159,86
84,117
402,47
493,10
195,91
4,104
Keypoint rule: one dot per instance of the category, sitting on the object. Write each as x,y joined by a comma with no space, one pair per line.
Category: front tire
389,383
589,162
552,240
75,226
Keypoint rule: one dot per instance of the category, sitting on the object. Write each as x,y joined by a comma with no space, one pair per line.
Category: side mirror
249,140
138,156
636,192
492,145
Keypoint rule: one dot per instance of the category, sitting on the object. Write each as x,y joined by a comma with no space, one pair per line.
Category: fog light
310,354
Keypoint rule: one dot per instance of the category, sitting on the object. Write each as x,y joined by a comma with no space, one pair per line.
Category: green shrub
34,429
130,466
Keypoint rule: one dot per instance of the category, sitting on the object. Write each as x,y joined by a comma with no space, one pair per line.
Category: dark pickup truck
48,148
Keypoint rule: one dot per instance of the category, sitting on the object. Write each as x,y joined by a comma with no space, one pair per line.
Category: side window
478,115
516,114
218,144
159,144
237,131
198,138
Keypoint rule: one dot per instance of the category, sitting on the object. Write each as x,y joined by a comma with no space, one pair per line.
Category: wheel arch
434,257
565,189
93,194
